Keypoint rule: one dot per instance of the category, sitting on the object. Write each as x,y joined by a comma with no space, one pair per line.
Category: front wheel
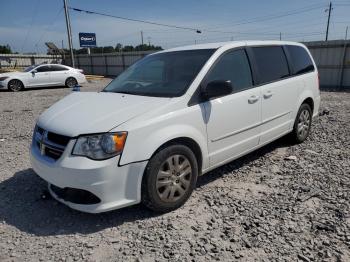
169,178
302,124
15,85
71,82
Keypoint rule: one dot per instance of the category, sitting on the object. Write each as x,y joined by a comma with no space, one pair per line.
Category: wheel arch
310,102
190,143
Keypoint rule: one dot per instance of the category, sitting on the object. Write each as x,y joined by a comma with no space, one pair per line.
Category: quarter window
271,62
234,67
301,60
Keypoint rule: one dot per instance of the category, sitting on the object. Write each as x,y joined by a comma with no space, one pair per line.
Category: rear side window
301,60
271,62
234,67
58,68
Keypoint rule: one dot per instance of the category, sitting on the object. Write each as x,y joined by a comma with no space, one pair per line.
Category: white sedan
41,76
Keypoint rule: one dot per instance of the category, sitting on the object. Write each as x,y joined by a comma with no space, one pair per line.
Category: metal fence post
123,62
341,80
91,65
106,65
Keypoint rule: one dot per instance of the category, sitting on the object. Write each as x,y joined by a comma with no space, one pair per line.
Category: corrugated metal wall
333,62
106,64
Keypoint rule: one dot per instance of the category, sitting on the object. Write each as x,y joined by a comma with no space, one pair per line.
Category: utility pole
346,33
141,37
69,32
329,18
149,41
280,36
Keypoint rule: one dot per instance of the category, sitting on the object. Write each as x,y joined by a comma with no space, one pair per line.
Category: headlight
3,78
101,146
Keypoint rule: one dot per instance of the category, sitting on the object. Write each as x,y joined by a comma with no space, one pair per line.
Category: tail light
81,71
318,80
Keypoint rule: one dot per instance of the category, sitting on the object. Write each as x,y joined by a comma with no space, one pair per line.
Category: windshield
27,69
166,74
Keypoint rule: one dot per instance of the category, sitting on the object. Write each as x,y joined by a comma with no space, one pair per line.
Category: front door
41,77
233,121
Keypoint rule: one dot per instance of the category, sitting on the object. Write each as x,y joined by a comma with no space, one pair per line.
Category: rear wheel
302,124
15,85
169,178
71,82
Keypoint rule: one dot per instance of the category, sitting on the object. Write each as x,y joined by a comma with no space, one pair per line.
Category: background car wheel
71,82
15,85
169,178
302,124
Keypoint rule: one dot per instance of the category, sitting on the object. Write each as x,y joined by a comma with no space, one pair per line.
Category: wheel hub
173,178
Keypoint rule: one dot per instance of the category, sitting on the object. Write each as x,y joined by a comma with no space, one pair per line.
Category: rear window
301,60
271,62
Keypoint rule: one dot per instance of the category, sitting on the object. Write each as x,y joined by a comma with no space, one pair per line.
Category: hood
12,74
90,112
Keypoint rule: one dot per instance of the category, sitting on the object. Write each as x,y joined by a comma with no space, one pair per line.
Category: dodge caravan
171,117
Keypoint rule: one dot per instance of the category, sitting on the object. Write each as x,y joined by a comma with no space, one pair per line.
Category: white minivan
170,117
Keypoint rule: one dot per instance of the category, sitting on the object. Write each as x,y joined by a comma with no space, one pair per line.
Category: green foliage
118,48
5,49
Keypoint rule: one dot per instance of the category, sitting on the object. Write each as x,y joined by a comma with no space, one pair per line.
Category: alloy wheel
15,85
174,178
304,123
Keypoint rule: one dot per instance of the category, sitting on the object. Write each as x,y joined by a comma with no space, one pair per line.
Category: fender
156,139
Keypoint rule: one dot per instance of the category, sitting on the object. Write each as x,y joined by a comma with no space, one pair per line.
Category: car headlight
3,78
100,146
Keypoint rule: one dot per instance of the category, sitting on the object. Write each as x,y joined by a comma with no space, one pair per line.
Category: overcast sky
27,24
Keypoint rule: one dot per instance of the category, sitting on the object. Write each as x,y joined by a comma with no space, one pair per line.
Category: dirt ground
282,203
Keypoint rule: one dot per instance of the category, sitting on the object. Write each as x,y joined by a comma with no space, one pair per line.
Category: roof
230,44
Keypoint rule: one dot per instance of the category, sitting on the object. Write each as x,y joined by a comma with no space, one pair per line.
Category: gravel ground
281,203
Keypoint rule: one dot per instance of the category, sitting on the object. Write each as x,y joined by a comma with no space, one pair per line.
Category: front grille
50,144
58,139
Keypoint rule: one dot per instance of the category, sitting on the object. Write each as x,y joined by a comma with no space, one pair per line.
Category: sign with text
87,39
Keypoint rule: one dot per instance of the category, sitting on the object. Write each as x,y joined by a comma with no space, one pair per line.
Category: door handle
268,94
253,99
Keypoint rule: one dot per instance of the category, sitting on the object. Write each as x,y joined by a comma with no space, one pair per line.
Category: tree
118,47
5,49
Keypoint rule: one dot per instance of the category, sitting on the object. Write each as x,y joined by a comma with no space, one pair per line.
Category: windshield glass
166,74
27,69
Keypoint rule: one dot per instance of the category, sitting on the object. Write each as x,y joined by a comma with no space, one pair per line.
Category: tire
71,82
302,124
15,85
166,185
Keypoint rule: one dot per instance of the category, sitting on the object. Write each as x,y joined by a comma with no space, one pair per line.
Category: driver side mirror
216,88
34,71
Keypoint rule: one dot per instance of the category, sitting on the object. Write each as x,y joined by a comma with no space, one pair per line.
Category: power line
275,16
135,20
49,26
35,10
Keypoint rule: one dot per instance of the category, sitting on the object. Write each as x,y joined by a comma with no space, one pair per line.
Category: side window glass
43,69
301,60
234,67
58,68
271,62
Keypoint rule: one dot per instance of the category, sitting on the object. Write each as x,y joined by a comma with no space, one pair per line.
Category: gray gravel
281,203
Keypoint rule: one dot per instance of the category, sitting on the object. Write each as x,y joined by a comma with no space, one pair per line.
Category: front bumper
116,186
2,84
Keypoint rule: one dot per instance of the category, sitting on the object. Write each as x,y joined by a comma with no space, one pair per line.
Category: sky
27,24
